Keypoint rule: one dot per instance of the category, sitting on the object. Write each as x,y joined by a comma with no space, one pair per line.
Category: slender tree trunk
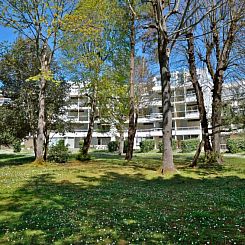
88,138
131,126
200,100
46,142
216,112
121,142
45,65
163,55
34,145
41,122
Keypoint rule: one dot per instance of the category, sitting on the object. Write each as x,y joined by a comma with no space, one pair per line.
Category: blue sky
7,34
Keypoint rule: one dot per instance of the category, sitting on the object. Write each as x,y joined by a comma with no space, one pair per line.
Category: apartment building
3,99
186,123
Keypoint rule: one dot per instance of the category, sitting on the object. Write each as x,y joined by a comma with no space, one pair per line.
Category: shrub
147,145
189,145
58,153
174,145
80,156
113,146
236,145
17,146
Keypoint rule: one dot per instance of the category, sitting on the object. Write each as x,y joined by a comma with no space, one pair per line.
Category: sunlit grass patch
112,201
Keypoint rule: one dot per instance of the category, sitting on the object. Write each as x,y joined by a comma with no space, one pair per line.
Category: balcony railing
190,98
192,113
174,129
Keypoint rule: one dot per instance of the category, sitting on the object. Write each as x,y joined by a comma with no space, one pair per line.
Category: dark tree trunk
46,142
88,138
132,125
35,145
200,100
216,112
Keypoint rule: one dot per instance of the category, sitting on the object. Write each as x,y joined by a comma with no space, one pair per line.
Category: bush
80,156
17,146
236,145
189,145
174,145
147,145
58,153
113,146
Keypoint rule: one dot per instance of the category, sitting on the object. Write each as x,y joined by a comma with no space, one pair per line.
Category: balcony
190,98
192,114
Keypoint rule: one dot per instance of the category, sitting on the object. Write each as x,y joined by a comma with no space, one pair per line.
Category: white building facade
185,115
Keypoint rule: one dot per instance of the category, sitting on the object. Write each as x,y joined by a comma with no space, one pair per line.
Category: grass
111,201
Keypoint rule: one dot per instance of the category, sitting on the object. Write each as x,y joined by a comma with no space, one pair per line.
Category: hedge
58,153
189,145
113,146
174,145
147,145
235,145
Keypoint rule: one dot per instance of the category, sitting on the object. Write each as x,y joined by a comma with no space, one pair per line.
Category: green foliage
17,146
20,116
236,145
58,153
174,145
147,145
80,156
189,145
113,146
13,125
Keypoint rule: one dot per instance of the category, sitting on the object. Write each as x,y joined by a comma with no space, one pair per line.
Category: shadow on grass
124,209
15,159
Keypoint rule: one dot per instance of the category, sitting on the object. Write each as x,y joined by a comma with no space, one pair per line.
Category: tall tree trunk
216,112
121,142
163,55
34,144
45,65
131,126
200,100
41,116
88,138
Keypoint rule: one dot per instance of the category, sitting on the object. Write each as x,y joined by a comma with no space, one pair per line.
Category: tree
200,99
39,21
17,65
94,37
133,117
161,20
220,31
13,125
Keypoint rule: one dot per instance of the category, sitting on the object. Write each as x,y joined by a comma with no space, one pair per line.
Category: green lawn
110,201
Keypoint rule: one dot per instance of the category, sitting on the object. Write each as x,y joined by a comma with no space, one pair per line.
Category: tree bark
200,100
46,142
34,145
163,58
121,142
41,115
45,61
216,112
132,125
88,138
168,164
